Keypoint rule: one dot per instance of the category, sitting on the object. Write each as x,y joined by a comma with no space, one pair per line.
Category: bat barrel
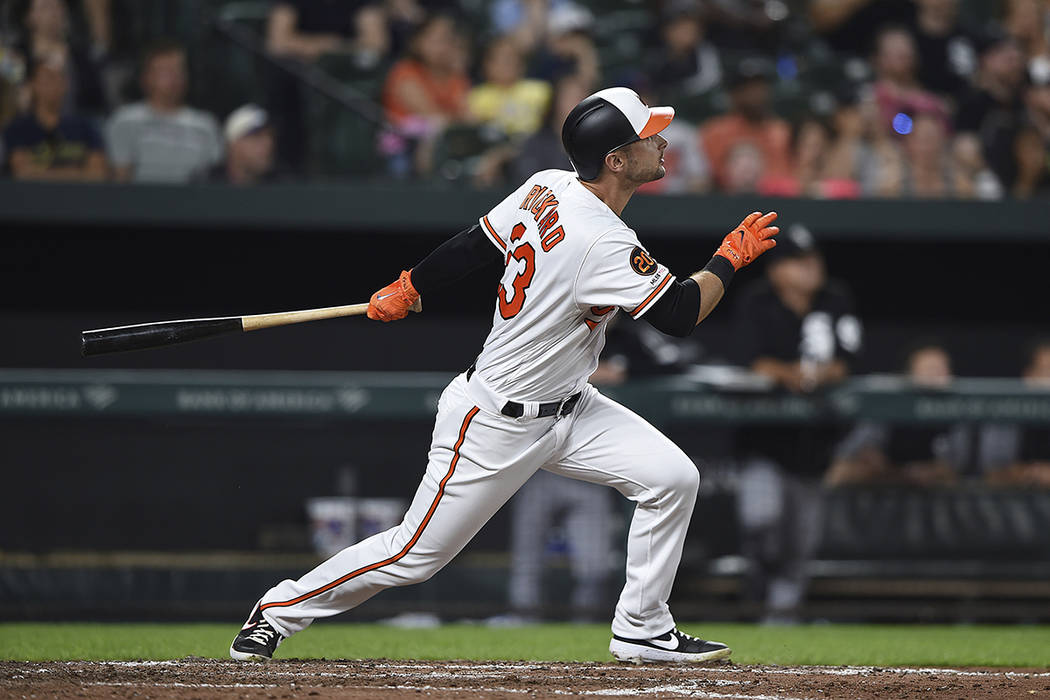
151,335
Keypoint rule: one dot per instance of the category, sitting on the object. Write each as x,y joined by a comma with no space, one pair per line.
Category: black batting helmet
607,120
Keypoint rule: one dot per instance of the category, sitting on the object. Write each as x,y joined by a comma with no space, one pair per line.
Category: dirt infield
205,679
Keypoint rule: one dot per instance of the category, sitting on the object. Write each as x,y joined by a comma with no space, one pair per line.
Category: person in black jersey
799,330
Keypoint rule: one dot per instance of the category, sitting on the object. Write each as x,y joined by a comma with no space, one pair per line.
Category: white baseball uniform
571,264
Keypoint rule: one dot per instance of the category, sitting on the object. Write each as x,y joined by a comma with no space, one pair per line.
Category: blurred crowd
814,98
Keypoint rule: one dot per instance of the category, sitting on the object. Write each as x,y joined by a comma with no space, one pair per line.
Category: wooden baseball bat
161,333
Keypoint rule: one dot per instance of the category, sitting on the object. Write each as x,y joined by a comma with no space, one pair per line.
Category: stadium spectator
992,110
1028,21
402,18
848,149
524,21
569,48
847,24
1032,145
897,91
686,63
426,92
971,176
506,99
306,29
749,123
810,141
46,32
863,152
744,169
929,168
249,147
12,78
430,85
47,144
797,329
921,455
543,149
947,59
811,148
160,139
99,16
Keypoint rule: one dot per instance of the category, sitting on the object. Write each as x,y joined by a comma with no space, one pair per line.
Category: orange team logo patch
642,262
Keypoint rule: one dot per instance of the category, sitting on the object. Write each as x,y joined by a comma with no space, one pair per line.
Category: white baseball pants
478,459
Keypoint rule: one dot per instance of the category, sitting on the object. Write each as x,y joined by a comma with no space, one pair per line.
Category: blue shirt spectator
44,143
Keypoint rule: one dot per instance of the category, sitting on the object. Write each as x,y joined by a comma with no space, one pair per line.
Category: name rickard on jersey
544,209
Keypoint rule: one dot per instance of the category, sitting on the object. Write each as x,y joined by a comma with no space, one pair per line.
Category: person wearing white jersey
569,265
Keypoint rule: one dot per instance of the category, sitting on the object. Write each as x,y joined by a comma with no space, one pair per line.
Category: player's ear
615,161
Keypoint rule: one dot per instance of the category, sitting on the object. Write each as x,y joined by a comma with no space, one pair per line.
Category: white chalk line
128,684
687,691
794,671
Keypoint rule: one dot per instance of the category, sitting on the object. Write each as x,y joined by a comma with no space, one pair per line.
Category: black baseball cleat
257,640
674,646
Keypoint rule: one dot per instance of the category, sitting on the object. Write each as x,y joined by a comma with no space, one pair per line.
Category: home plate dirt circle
204,679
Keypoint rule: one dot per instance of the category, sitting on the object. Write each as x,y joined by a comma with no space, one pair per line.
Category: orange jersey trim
638,309
415,538
492,232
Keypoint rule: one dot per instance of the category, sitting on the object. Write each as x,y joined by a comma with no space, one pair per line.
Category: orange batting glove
394,301
750,239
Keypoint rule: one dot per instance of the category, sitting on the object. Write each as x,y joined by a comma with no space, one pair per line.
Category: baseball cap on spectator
750,69
568,18
796,242
1039,72
245,120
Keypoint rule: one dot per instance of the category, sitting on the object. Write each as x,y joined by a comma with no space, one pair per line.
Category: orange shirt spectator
771,136
432,82
749,121
447,93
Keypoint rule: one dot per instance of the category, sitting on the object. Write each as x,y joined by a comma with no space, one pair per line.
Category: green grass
880,645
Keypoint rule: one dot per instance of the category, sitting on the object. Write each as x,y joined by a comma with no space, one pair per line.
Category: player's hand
750,239
394,301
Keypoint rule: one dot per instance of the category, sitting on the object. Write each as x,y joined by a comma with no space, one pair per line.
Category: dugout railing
124,480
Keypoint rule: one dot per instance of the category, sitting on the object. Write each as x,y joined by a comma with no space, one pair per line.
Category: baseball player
569,265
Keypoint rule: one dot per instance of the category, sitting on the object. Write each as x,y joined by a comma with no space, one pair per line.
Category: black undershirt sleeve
469,250
676,311
466,252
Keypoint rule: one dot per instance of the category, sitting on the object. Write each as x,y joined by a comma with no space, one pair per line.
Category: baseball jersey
571,265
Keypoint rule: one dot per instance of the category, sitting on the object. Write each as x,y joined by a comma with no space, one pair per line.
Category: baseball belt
513,409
